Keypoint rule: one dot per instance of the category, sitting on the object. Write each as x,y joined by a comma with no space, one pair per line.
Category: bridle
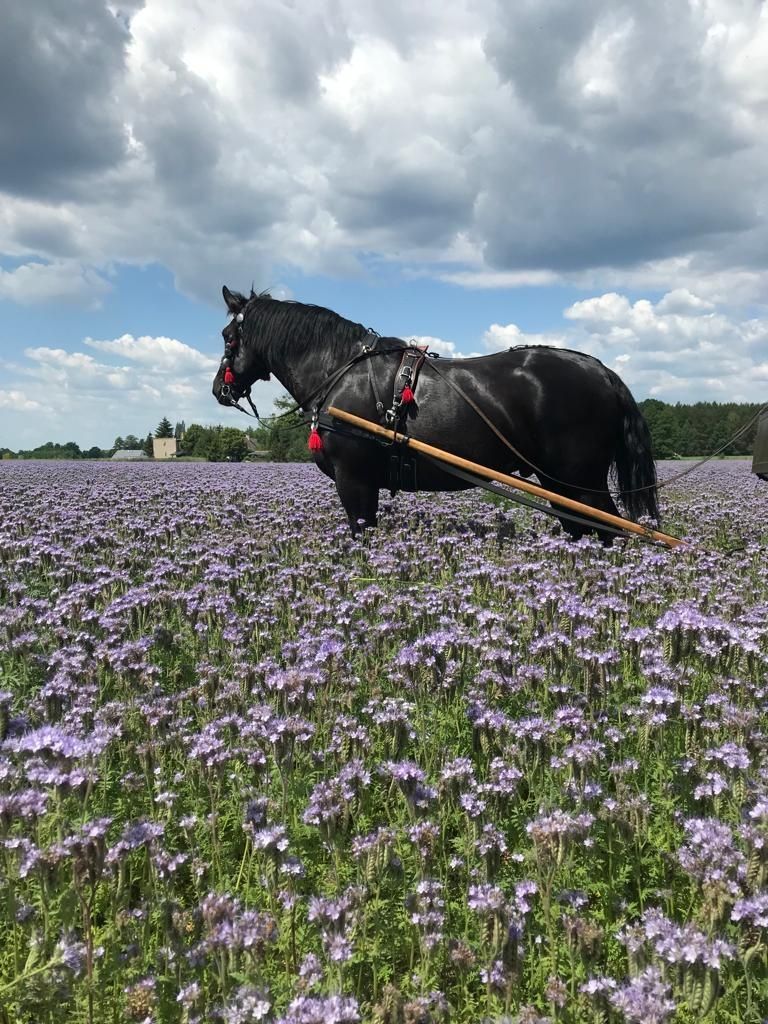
313,400
229,382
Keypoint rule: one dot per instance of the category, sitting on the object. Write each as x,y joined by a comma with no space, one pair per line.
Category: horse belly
429,477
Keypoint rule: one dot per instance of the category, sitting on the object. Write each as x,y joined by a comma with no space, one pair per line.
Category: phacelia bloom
336,917
247,1006
551,833
322,1010
645,999
427,911
753,910
711,856
674,943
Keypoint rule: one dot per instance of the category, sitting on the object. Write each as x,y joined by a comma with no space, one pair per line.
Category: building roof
129,454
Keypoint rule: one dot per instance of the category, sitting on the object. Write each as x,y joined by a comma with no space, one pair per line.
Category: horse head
242,363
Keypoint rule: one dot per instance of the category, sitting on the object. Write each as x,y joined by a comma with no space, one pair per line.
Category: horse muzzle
222,392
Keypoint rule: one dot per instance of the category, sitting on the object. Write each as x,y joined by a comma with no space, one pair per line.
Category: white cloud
19,401
680,348
166,354
443,348
603,143
500,337
680,300
93,401
60,281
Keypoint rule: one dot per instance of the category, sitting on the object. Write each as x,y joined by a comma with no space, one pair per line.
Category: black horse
559,414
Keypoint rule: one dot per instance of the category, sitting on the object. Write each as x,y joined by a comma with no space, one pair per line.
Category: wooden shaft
511,481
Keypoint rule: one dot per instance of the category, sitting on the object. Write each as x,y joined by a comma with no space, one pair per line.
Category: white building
164,447
129,455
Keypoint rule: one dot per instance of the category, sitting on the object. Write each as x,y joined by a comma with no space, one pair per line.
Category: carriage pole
510,481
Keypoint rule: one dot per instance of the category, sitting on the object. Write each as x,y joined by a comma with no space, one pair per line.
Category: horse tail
635,468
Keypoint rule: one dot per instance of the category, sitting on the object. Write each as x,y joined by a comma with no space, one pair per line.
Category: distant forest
677,431
699,429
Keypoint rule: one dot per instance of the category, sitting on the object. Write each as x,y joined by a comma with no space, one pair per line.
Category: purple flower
426,908
674,943
24,806
710,855
247,1006
644,999
752,910
70,954
310,971
228,926
135,835
273,841
425,836
322,1010
552,833
336,917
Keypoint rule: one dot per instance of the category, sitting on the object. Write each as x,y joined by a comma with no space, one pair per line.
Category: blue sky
482,174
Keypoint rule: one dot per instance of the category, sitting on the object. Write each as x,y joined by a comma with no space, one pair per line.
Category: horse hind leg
597,497
602,500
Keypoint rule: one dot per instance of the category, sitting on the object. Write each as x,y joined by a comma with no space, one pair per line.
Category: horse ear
234,300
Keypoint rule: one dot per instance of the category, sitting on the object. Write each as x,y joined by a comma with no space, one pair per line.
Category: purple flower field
252,769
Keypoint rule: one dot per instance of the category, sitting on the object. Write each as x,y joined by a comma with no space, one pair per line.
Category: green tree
287,437
53,450
660,420
219,444
688,439
233,444
164,428
149,448
118,445
195,442
93,453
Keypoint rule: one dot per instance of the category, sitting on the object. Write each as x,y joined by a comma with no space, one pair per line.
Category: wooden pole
511,481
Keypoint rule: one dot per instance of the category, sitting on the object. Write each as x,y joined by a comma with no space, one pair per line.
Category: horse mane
310,328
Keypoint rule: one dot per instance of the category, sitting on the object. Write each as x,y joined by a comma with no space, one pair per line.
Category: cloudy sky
480,172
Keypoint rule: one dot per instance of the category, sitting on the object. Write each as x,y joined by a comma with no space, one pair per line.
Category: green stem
27,975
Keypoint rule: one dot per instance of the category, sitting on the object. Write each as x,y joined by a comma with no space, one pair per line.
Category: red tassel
229,377
406,395
315,441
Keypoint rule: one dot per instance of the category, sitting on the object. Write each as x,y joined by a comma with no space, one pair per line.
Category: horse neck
302,357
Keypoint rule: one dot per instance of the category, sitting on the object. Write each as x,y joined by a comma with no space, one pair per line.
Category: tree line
677,431
685,431
285,440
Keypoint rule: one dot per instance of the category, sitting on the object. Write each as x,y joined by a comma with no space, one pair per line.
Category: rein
368,351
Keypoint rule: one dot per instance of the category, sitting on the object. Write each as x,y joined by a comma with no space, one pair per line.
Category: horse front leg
360,500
